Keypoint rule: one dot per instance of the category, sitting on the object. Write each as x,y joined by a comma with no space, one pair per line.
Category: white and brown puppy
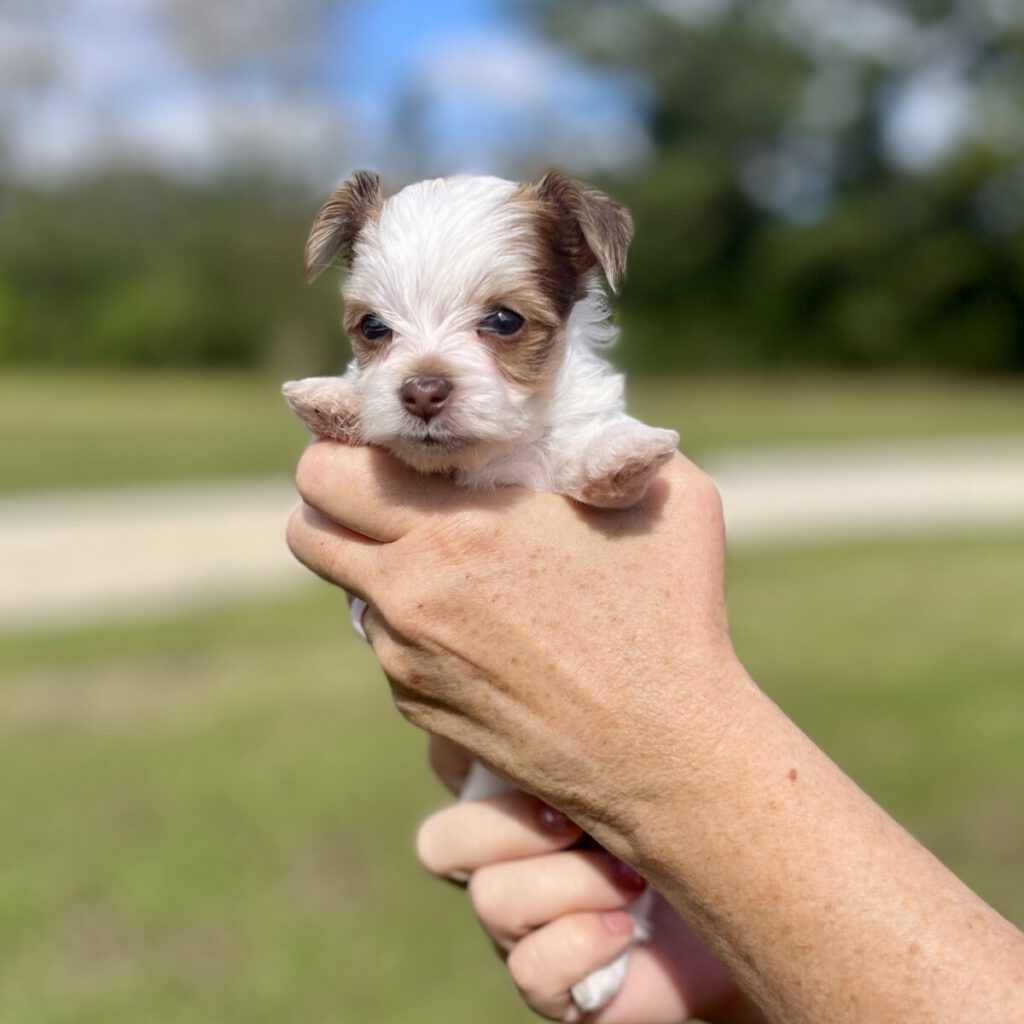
476,313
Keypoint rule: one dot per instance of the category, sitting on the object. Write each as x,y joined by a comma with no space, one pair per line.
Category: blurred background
207,801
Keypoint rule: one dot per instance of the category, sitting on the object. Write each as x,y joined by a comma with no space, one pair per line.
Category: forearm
586,657
821,905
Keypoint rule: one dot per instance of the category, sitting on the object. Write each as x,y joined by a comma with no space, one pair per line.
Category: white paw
597,988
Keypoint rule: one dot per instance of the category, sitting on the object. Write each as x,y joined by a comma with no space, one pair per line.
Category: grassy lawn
209,819
60,429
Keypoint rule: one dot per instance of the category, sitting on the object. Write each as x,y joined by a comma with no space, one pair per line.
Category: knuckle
706,494
405,611
394,665
418,712
526,967
428,846
295,530
713,498
489,895
709,490
404,603
309,470
415,714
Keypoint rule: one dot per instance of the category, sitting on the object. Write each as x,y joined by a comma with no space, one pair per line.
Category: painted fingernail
626,878
554,821
618,922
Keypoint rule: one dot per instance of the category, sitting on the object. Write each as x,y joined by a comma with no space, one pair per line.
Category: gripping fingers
549,961
333,552
457,840
513,897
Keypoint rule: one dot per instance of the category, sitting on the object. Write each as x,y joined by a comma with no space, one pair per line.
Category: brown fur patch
581,226
626,484
527,358
326,406
562,265
340,220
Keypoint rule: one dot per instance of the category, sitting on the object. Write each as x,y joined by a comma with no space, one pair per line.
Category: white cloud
927,118
864,29
103,83
499,99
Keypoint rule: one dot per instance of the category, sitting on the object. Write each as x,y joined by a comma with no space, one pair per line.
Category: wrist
701,721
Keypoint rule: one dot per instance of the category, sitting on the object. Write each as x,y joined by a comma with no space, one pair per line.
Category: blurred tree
834,181
131,269
108,261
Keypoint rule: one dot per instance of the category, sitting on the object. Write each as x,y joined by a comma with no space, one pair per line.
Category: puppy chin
447,455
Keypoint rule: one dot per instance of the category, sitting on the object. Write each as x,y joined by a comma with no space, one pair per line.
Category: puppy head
456,303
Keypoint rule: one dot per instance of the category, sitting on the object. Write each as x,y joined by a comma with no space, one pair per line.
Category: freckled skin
652,737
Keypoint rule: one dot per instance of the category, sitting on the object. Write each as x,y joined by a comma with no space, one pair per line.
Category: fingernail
554,821
618,922
626,878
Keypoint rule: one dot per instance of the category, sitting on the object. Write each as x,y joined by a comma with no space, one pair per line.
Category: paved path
78,558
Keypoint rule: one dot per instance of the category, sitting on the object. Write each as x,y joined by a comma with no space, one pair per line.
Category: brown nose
425,396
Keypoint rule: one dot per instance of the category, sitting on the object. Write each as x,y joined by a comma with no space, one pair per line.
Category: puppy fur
428,271
539,408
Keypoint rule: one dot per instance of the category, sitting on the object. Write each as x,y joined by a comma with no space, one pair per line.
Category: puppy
476,315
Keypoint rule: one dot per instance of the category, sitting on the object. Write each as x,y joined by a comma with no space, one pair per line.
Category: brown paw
326,406
627,485
622,464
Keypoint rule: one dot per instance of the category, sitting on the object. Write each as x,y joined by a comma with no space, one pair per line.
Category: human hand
558,913
477,601
585,656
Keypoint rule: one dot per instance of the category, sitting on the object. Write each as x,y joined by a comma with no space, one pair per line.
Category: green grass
68,430
714,412
62,429
209,819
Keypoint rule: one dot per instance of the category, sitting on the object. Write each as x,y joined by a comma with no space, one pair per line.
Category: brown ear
340,219
603,227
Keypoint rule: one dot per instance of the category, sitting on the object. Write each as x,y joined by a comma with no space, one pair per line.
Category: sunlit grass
61,430
66,430
209,818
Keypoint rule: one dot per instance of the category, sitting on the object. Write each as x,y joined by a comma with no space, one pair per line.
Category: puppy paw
326,405
621,463
599,987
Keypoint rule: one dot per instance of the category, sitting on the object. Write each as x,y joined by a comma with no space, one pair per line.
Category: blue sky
489,92
86,83
393,36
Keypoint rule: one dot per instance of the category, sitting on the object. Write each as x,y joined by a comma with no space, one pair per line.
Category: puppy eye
504,322
372,328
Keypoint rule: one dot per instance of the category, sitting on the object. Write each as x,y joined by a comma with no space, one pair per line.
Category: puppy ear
603,227
340,219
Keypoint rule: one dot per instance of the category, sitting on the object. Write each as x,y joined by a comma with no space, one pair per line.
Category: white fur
421,266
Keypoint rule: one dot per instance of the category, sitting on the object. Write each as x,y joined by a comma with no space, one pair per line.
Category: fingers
368,491
449,761
331,551
670,979
548,962
457,840
513,897
651,994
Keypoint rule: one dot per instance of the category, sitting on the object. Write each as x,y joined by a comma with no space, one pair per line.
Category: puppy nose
425,396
